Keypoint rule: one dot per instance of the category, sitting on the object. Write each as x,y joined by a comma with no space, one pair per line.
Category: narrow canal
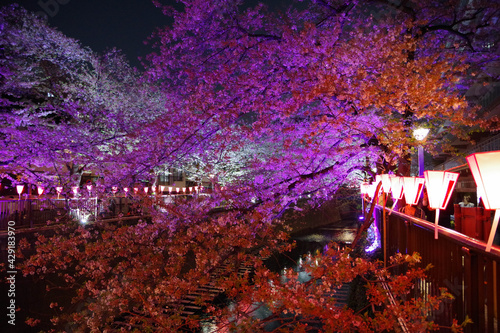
308,242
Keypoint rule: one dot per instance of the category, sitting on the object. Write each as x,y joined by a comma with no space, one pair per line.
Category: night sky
103,24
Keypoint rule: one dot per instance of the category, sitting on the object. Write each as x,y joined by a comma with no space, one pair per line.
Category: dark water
308,242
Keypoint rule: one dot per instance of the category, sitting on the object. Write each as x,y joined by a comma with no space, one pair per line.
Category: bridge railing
30,212
460,264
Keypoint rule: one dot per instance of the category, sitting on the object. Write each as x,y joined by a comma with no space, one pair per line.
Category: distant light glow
84,219
373,237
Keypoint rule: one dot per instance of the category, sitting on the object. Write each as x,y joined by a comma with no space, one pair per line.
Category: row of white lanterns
485,168
114,189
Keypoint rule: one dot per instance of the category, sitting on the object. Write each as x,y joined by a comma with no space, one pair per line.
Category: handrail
458,237
4,233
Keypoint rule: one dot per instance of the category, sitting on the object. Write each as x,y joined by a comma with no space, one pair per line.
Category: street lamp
440,185
420,134
486,172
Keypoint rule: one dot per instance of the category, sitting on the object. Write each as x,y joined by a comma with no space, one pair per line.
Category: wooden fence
460,264
28,213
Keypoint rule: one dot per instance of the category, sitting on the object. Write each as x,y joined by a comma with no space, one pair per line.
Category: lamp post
486,172
420,134
440,185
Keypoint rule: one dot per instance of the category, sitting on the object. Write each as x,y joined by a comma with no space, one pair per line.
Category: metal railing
32,212
28,212
460,264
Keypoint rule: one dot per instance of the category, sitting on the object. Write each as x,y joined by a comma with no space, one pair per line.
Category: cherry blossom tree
276,103
64,108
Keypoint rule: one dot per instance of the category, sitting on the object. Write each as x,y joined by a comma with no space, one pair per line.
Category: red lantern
413,187
59,191
372,190
396,190
19,189
440,185
386,182
363,188
485,168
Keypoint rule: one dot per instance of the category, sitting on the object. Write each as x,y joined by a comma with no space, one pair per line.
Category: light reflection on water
306,245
